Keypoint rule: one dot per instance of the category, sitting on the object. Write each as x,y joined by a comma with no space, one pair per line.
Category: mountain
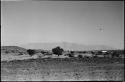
66,46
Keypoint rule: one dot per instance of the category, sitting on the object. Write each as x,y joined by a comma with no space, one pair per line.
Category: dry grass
57,69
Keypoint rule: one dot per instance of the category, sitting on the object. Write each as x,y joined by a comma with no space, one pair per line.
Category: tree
31,52
58,51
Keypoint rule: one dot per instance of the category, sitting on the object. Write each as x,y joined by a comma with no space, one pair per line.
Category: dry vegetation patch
62,69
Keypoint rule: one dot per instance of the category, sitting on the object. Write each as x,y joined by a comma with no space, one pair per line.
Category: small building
104,51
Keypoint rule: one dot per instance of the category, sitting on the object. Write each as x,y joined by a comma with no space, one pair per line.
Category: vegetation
58,51
70,55
6,52
80,56
115,54
43,52
20,53
67,69
31,52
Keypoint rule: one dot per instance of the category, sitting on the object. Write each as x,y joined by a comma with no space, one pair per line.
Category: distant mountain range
66,46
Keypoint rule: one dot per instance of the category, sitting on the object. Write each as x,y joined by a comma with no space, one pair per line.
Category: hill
13,49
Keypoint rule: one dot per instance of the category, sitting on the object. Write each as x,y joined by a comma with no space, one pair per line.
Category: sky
82,22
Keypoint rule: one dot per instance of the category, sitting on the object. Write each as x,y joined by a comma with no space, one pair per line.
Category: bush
86,57
80,56
31,52
72,52
115,54
6,52
95,56
43,52
70,55
58,51
20,53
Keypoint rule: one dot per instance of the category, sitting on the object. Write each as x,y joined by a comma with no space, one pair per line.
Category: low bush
31,52
70,55
80,56
86,57
20,53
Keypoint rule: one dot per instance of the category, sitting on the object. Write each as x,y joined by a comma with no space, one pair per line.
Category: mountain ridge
66,46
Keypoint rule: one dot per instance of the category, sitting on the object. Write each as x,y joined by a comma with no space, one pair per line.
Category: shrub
72,52
20,53
70,55
86,56
43,52
31,52
115,54
84,52
80,56
13,51
6,52
95,56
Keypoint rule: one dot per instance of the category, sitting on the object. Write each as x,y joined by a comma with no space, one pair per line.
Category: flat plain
63,69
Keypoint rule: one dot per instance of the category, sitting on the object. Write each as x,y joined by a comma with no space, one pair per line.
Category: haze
82,22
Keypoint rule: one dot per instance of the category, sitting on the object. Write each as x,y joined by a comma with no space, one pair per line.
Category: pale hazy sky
83,22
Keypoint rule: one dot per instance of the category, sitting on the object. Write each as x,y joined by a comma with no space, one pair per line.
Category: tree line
59,51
